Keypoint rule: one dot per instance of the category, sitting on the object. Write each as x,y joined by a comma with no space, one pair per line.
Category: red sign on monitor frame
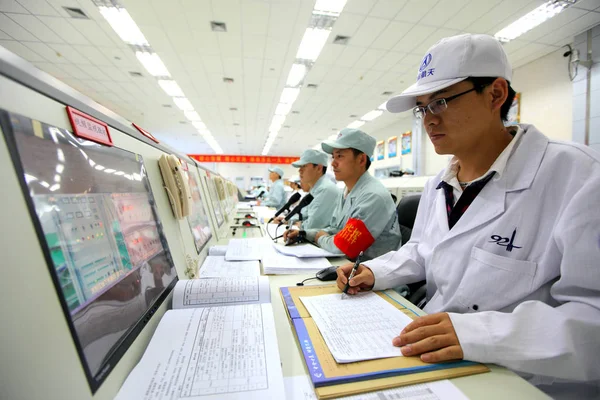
88,127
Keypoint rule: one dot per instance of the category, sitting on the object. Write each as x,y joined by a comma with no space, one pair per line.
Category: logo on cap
425,62
339,135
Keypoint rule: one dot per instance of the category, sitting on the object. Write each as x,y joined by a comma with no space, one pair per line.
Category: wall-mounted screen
198,218
98,228
214,198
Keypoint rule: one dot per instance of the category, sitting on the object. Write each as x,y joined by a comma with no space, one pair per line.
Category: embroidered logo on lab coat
509,243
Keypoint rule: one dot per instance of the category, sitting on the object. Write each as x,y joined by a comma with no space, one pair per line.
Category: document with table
210,353
218,267
221,291
357,328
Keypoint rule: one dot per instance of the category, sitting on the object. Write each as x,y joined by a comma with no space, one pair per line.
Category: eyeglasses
438,106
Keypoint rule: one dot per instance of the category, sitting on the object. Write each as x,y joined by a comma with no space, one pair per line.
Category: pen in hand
354,268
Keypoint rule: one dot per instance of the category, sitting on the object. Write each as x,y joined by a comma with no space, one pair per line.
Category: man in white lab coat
507,236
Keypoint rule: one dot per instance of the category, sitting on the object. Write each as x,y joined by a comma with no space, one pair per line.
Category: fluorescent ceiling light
356,124
330,6
273,134
296,75
183,104
192,115
312,43
382,106
371,115
152,63
532,19
199,125
289,95
277,122
122,23
171,88
283,109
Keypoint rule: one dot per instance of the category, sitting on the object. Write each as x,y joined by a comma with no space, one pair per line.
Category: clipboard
331,379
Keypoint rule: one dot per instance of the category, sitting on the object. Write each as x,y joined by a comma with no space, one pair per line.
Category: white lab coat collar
519,172
451,173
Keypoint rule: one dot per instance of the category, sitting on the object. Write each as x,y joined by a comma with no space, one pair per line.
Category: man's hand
319,235
362,280
432,336
291,234
258,202
278,219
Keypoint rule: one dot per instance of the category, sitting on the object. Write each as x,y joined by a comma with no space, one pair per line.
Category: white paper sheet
217,267
217,250
227,353
280,264
300,388
208,292
304,250
359,327
247,249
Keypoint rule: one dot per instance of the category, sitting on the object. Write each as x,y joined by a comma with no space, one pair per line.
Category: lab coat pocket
493,282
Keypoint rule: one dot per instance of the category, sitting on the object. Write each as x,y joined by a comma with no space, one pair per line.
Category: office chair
407,212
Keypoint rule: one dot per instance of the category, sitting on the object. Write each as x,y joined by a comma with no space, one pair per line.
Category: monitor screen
198,218
210,184
97,224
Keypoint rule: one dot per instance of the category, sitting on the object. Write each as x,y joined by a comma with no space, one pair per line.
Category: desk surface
499,384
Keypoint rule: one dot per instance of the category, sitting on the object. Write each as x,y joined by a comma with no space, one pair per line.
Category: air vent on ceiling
312,86
218,26
232,108
136,74
228,80
295,112
387,93
353,116
339,39
76,13
183,122
167,106
334,129
236,124
287,126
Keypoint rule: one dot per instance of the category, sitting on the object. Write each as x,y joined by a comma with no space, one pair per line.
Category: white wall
546,95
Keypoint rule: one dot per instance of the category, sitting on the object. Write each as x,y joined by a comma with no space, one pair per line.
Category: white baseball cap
452,60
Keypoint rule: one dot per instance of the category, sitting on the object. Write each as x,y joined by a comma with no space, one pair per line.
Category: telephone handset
176,185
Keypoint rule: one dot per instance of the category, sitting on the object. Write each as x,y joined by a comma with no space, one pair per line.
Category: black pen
356,264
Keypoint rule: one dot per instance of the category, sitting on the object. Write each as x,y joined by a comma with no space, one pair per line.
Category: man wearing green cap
364,219
276,196
312,167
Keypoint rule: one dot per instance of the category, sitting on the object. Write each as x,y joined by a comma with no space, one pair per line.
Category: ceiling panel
388,39
22,51
368,31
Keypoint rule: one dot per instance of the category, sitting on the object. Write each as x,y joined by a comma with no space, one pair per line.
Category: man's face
273,176
346,165
463,124
309,174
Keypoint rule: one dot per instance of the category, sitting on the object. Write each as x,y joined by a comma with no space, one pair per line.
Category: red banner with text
243,159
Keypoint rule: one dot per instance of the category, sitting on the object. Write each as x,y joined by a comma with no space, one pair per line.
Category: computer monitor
198,218
214,198
97,225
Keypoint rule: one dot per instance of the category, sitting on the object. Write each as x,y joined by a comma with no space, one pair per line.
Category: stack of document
279,264
217,250
304,250
218,267
248,249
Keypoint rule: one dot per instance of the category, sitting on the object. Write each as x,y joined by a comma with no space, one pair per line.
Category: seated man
365,217
312,168
507,235
276,197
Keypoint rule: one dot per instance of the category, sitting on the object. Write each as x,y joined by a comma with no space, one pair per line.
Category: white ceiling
388,39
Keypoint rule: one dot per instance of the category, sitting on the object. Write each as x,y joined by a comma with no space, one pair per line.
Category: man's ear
498,93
